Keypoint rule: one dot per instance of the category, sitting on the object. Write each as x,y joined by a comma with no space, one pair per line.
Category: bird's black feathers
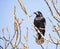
39,23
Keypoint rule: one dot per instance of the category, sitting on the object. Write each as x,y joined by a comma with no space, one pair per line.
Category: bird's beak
36,13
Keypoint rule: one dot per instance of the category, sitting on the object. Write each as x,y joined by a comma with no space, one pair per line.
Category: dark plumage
40,22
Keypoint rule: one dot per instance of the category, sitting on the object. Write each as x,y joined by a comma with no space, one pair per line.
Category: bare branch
8,32
23,8
42,47
1,47
54,28
52,12
20,36
55,8
51,38
56,46
49,7
26,36
15,25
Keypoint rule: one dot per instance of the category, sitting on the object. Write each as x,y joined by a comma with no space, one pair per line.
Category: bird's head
38,14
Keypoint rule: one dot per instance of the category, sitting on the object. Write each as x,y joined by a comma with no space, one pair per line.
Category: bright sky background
6,19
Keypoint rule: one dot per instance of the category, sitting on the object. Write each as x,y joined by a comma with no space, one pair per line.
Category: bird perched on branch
40,23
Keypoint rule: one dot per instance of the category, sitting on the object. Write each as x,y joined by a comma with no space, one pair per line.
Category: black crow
40,23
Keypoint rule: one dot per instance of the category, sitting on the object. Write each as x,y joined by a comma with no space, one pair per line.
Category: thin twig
10,40
55,8
8,32
1,47
56,46
15,25
20,33
42,47
20,36
51,38
5,39
52,12
54,28
49,7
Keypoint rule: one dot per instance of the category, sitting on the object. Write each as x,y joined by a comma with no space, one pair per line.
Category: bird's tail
39,41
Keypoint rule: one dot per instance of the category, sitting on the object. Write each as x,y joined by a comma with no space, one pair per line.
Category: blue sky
6,19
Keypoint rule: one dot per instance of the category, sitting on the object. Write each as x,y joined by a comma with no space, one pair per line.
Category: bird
40,23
